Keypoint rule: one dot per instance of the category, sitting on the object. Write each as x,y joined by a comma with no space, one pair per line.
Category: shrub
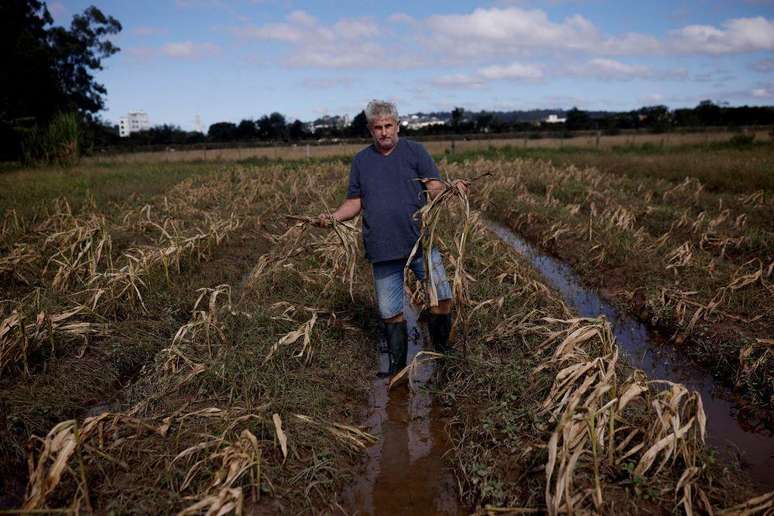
57,143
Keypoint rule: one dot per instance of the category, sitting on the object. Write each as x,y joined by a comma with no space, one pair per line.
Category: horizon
228,60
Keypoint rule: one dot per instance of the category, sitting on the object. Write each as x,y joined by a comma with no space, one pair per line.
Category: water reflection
405,471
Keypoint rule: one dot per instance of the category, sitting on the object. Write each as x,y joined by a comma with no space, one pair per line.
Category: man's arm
349,209
434,187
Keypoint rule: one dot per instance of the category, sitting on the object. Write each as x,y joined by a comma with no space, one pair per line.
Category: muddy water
405,470
728,428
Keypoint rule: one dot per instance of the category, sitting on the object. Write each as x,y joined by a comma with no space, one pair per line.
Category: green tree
359,127
247,130
78,52
577,120
658,118
484,122
709,113
222,132
52,68
272,127
297,131
456,118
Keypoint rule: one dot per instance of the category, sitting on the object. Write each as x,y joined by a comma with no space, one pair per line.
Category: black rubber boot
439,326
396,336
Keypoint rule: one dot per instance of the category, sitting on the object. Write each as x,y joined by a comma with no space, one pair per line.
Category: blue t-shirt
390,195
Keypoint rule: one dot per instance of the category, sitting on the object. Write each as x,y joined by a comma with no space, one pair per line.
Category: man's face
384,131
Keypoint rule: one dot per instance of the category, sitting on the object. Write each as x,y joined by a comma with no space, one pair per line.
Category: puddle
727,428
405,470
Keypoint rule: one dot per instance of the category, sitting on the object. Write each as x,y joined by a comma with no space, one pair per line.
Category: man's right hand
324,220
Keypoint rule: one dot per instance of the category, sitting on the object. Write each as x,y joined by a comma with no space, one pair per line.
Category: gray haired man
389,181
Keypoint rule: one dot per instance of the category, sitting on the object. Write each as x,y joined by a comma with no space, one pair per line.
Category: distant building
419,121
132,123
328,122
554,119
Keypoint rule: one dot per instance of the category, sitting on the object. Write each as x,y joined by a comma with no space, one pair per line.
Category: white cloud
401,18
459,81
762,93
653,98
302,18
612,69
511,71
189,50
737,35
347,43
488,33
514,31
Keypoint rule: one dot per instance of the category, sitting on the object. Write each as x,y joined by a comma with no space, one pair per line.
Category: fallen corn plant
20,263
51,459
429,216
351,436
19,338
338,250
595,433
305,331
410,371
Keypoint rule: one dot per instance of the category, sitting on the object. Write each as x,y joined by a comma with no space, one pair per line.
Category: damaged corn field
695,262
199,347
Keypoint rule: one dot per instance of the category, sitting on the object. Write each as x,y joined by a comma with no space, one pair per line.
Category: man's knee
444,307
395,319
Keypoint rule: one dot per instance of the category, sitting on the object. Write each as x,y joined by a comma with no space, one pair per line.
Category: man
388,183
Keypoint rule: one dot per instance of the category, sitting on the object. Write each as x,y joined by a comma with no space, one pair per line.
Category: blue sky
225,60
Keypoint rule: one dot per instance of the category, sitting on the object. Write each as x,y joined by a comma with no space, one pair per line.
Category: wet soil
730,429
405,471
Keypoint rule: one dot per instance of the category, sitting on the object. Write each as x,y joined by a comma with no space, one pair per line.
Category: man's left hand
461,185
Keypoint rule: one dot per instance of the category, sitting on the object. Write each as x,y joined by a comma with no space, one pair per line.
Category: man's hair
380,108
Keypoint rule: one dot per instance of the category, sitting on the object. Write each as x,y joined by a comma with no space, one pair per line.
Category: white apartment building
133,122
555,119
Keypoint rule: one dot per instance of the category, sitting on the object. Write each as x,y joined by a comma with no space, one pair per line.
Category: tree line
274,128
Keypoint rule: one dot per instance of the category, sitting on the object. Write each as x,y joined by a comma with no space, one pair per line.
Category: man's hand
461,185
324,220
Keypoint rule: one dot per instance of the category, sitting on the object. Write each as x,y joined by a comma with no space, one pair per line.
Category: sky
196,62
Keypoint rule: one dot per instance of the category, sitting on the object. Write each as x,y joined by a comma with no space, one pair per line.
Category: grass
719,166
27,191
234,374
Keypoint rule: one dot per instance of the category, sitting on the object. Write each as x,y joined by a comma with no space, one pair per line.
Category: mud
736,436
405,470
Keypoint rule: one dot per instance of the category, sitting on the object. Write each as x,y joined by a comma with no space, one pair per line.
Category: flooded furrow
405,470
729,431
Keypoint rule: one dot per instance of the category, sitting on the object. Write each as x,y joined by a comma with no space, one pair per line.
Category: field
172,342
684,238
534,141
